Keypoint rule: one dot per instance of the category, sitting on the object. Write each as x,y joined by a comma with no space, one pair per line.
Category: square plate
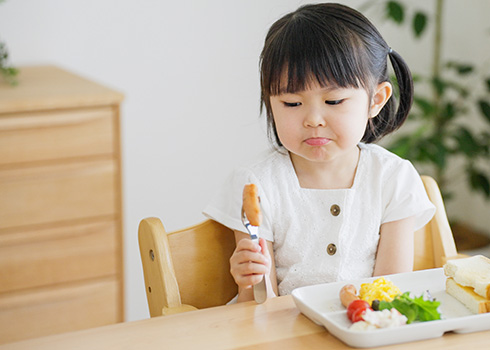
321,304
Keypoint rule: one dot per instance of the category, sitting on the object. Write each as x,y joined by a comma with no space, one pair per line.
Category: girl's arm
250,263
395,247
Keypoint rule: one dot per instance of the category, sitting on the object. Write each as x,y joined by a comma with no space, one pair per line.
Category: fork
259,289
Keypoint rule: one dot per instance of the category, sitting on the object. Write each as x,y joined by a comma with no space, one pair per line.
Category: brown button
335,210
331,249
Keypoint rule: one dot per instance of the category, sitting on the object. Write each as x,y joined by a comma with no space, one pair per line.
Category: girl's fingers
251,268
248,244
264,248
247,256
250,262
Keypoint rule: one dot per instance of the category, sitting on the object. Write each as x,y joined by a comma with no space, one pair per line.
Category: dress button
335,210
331,249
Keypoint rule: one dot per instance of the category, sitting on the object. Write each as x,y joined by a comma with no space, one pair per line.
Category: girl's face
322,124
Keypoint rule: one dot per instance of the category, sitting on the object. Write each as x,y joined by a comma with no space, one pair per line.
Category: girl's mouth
317,141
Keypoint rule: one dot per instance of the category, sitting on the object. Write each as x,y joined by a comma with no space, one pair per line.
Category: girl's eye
292,104
334,102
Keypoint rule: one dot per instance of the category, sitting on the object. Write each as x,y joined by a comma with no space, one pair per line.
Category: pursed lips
317,141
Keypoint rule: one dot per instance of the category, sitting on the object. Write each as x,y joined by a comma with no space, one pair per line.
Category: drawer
61,309
58,193
28,137
57,255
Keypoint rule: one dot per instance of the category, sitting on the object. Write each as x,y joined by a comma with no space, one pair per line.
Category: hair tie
390,51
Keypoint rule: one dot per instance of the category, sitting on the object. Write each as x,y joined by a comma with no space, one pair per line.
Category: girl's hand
250,263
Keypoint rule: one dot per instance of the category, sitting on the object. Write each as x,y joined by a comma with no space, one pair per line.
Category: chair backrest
190,268
186,267
434,243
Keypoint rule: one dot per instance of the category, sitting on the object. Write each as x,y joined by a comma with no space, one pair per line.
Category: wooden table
276,324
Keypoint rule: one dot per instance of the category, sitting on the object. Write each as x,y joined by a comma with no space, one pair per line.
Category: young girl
335,206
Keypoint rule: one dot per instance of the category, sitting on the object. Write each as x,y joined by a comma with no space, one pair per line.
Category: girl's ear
381,95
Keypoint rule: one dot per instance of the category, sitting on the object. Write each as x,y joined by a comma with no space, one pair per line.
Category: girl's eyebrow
329,88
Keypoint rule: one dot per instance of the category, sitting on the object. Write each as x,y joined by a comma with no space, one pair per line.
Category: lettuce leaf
414,309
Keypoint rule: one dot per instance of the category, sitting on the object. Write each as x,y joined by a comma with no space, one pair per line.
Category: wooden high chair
190,269
186,269
434,243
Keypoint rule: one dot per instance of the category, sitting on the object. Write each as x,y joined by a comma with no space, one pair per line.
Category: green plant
439,128
8,72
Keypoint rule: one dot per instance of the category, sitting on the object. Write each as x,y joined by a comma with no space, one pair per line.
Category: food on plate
251,204
467,296
469,282
419,308
357,309
473,272
380,289
348,294
379,319
381,304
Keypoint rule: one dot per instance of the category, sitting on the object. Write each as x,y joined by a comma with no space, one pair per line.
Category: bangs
333,46
302,52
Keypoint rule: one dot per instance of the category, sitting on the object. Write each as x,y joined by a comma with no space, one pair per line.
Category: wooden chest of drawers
61,263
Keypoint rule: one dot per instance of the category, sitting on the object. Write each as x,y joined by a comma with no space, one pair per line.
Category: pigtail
390,118
405,88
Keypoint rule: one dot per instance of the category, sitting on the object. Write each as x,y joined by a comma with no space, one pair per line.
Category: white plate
321,304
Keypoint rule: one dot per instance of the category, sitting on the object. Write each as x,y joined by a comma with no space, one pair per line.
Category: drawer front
62,309
41,195
56,135
64,254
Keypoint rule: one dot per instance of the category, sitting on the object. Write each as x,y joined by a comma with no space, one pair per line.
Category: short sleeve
404,195
226,206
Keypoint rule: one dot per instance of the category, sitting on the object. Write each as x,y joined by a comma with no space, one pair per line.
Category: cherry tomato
357,315
356,309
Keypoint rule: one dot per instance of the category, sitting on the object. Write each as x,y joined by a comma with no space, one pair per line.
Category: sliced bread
471,272
474,302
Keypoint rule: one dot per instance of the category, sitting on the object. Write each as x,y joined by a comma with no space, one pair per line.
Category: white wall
189,71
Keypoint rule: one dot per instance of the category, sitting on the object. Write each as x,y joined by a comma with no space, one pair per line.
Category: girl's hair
334,45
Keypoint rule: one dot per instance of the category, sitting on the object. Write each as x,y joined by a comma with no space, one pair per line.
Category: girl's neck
335,174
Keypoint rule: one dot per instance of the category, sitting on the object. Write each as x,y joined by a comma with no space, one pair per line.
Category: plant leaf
467,143
480,182
488,84
419,23
485,109
425,105
438,153
465,69
440,85
449,111
461,68
402,147
458,87
395,11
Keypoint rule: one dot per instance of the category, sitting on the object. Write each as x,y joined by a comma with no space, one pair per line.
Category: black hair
337,46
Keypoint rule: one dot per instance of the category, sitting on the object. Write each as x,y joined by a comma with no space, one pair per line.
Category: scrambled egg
380,289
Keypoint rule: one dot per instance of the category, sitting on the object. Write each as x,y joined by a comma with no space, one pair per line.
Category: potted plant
7,72
439,129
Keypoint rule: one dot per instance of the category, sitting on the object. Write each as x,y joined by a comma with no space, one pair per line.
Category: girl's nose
314,119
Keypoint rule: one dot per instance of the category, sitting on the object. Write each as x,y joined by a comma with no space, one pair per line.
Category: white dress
324,236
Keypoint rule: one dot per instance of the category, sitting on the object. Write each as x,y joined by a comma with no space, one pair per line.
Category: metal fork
259,289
